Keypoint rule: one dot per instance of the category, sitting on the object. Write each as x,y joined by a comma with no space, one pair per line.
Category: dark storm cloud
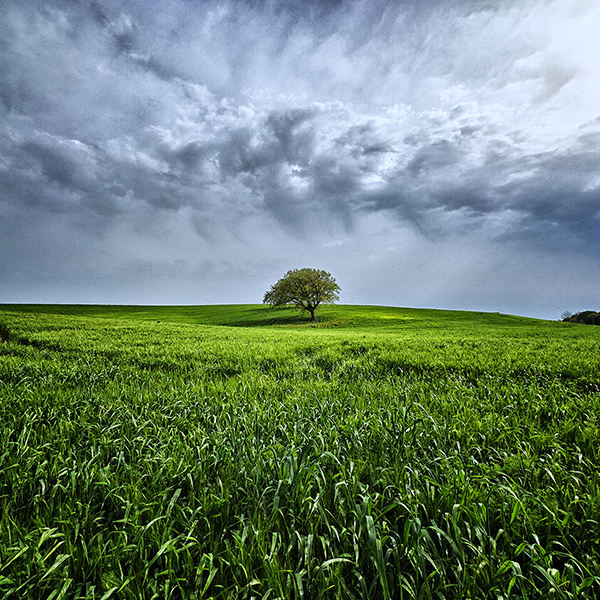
152,130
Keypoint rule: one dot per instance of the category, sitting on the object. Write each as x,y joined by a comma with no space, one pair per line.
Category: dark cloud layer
440,153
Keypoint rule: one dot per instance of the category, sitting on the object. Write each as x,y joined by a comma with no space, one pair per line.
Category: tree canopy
587,317
305,289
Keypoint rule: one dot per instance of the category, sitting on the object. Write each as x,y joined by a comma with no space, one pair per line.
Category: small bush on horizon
586,317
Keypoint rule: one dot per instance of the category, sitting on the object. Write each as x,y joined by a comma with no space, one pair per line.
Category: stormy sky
429,153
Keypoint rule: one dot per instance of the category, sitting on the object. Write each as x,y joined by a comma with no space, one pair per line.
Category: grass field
240,452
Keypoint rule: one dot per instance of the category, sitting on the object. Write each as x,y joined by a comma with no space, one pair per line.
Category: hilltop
259,315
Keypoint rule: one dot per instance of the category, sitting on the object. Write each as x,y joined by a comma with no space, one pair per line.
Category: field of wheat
240,452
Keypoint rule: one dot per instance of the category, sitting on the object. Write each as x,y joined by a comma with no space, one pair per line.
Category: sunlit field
241,452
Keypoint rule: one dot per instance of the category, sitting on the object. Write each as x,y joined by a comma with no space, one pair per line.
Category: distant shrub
4,333
587,317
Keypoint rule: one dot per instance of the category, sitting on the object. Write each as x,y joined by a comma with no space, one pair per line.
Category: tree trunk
312,315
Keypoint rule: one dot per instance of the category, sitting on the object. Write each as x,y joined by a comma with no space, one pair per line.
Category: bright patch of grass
385,453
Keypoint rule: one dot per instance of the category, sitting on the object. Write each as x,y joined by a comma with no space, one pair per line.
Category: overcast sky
429,153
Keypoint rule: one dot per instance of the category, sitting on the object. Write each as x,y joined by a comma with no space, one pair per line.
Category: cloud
225,131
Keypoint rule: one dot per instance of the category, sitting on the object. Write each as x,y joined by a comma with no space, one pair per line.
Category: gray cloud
175,135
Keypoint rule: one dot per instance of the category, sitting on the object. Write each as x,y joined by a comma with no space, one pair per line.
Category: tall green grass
386,453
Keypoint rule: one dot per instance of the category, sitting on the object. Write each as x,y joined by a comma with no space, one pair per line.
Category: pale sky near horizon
433,153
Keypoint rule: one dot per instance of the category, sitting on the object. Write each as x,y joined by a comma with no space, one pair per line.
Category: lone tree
305,289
